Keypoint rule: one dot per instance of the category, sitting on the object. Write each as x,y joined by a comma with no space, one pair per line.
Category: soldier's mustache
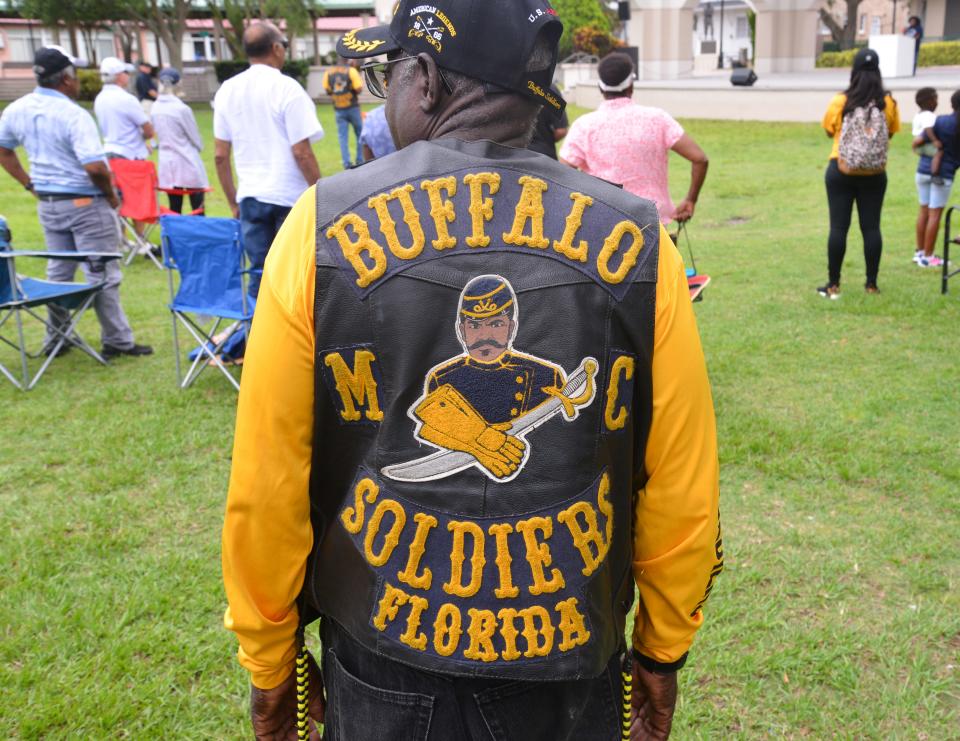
481,343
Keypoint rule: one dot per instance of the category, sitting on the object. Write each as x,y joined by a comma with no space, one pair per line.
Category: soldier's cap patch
486,297
488,40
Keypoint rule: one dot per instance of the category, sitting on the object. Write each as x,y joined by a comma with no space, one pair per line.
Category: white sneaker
917,256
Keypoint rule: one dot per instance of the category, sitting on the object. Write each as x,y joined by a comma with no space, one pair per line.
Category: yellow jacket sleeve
677,551
356,82
266,533
892,111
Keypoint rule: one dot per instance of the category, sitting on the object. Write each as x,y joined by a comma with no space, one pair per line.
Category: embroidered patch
479,407
431,25
485,589
352,376
618,398
489,211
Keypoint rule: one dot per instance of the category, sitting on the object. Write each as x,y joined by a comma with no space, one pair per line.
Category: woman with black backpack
860,121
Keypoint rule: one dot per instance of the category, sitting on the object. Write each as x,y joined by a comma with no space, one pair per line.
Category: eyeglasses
285,43
377,75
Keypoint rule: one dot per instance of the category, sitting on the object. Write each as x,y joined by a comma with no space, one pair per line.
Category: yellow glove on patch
449,420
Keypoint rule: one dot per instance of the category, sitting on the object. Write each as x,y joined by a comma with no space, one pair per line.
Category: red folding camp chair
137,182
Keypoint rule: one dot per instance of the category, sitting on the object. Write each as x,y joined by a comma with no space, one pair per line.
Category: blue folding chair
20,295
207,255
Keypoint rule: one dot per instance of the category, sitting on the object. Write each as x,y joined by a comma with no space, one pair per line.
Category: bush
577,14
595,40
90,83
837,58
298,69
939,53
227,69
934,54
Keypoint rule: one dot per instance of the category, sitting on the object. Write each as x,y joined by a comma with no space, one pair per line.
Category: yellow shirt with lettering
267,535
833,119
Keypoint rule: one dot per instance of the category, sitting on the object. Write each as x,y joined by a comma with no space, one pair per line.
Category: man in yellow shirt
343,84
475,424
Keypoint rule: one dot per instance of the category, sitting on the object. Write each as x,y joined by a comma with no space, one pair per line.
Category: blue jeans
370,698
259,224
347,117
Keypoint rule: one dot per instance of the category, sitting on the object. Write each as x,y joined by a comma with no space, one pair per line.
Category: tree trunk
56,33
87,33
72,30
836,30
845,35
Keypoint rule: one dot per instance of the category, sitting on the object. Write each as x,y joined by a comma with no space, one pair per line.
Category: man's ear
428,83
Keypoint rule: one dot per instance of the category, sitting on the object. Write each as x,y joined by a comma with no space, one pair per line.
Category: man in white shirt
123,124
268,121
75,197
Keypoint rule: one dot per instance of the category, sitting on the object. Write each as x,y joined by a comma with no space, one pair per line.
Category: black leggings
842,191
196,202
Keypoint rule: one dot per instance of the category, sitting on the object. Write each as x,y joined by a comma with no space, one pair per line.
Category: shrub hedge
934,54
298,69
90,83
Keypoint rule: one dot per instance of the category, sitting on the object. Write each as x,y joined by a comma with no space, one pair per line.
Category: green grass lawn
839,422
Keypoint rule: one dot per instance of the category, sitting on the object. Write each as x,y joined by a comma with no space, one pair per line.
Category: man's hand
684,210
113,201
235,209
654,699
274,712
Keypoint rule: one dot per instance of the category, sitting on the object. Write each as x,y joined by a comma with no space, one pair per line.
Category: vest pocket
358,711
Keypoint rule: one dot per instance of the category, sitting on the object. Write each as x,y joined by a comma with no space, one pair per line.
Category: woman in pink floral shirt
629,144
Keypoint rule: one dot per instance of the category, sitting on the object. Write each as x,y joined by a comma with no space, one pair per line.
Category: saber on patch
577,392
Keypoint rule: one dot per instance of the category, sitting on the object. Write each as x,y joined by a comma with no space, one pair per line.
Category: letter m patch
352,376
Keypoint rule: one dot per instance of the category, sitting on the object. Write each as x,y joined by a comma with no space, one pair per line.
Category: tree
844,35
168,21
577,14
231,17
52,13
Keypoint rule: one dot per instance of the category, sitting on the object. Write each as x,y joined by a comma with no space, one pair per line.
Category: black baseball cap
52,59
866,59
489,40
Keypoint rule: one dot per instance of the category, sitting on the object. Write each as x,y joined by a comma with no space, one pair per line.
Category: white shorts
933,196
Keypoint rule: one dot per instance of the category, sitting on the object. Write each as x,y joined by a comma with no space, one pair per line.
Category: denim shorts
933,196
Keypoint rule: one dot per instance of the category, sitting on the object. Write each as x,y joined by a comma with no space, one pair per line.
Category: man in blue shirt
914,30
71,182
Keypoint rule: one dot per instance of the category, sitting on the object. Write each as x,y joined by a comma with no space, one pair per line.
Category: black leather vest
484,335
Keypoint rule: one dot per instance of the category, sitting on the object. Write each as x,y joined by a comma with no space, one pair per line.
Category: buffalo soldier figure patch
479,408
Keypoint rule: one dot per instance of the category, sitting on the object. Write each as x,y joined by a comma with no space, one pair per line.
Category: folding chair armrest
63,255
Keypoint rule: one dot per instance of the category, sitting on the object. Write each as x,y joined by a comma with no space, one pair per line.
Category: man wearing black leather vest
475,425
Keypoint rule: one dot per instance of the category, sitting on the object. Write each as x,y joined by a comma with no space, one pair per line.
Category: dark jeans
867,192
259,223
370,698
347,118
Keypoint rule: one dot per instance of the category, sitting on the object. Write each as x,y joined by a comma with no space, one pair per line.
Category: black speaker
623,11
743,76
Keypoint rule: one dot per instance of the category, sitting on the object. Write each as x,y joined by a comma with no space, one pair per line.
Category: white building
710,23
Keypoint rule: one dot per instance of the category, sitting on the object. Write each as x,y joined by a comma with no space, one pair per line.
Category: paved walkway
780,97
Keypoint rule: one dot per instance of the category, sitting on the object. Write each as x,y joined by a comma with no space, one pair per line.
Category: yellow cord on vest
303,695
627,696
